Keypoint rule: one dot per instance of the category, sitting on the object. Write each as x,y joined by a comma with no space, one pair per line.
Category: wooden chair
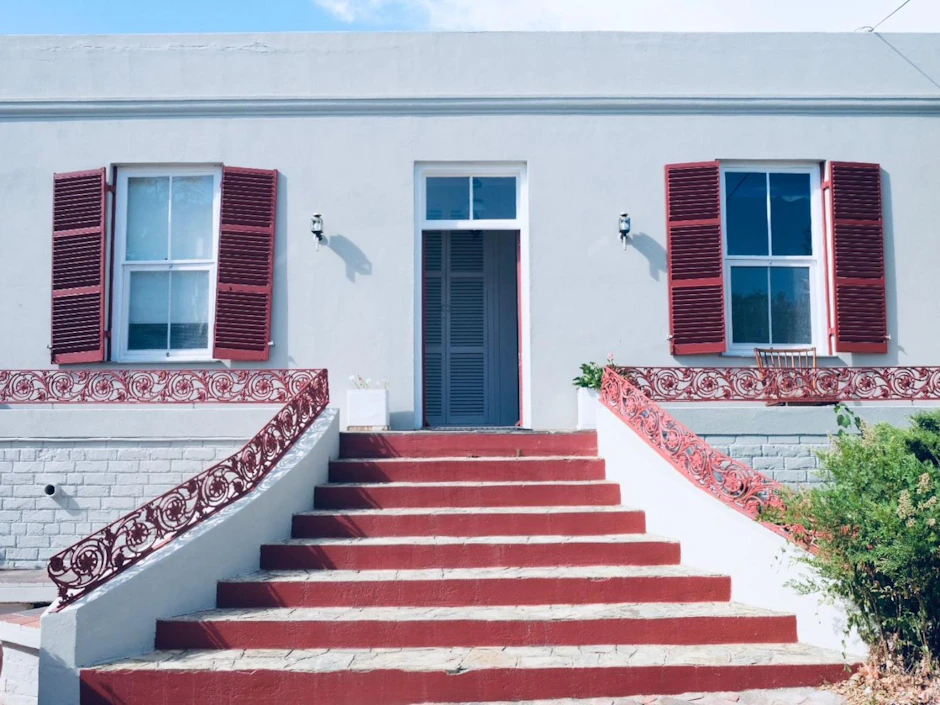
793,359
796,359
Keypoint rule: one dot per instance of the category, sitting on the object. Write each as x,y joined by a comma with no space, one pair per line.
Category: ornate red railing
151,386
732,482
105,554
665,384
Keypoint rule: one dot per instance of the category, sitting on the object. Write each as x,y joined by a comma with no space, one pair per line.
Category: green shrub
877,523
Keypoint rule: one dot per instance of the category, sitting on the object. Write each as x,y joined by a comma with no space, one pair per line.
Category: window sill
742,354
162,359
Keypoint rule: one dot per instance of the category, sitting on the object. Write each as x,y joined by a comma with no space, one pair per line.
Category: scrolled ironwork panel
135,386
728,480
98,558
822,384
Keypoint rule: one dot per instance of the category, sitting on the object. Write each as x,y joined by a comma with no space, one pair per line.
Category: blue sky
136,16
157,16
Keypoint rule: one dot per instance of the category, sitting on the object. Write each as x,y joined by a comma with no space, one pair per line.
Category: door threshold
478,429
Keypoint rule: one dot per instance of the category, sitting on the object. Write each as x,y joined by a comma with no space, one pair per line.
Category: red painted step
267,684
526,587
540,626
399,495
468,470
556,521
410,554
448,444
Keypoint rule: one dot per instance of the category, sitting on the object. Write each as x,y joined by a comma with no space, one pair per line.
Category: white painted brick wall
791,460
19,675
98,481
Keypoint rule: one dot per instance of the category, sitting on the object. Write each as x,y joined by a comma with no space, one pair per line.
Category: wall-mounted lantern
624,227
316,227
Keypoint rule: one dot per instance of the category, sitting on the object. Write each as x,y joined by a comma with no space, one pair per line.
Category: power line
867,28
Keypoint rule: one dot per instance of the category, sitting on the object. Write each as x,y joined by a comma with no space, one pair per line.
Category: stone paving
465,540
447,511
787,696
470,658
598,572
555,613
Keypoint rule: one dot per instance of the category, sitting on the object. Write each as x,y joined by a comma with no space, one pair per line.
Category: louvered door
470,333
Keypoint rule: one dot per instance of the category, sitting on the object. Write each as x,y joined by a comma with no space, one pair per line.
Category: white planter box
367,409
587,408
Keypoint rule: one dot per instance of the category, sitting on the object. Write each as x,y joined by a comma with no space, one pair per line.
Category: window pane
191,226
494,198
448,198
189,311
149,305
749,312
148,203
789,305
791,225
746,206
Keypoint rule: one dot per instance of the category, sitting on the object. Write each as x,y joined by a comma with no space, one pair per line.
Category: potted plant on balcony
589,389
367,406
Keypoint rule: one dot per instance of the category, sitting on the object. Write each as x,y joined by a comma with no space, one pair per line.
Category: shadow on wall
654,253
891,278
355,259
279,314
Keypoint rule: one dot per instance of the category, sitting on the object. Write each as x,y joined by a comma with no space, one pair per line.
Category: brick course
791,460
98,481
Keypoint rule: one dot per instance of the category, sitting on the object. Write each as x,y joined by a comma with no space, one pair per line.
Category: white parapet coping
717,538
119,618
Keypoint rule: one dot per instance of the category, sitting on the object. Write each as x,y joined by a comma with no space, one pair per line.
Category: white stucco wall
594,117
19,678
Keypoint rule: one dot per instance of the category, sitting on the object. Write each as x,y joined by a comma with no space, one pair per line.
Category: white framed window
773,244
470,197
165,257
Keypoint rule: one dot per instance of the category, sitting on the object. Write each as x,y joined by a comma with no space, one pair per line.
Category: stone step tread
553,613
519,483
585,572
463,540
472,431
781,696
448,511
463,659
489,459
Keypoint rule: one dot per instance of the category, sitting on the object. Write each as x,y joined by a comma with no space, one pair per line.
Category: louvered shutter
246,264
694,256
78,266
858,258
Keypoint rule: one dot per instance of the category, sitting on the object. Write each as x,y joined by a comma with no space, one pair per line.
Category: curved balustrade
740,487
108,552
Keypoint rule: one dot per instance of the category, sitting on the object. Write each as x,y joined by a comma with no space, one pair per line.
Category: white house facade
462,220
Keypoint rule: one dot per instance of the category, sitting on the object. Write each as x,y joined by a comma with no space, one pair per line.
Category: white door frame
520,224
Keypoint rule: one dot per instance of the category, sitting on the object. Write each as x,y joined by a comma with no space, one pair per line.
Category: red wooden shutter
858,258
78,252
694,256
246,264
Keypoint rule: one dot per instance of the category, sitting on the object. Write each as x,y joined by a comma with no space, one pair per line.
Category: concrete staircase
466,567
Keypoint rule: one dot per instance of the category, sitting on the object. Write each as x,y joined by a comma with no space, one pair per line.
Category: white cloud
641,15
